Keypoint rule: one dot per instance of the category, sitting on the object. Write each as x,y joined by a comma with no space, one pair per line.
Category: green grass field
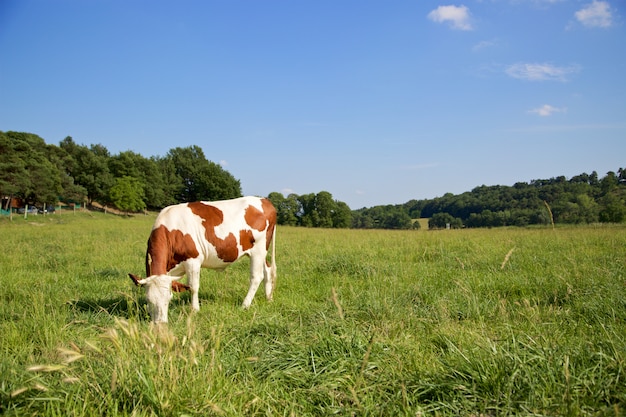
376,323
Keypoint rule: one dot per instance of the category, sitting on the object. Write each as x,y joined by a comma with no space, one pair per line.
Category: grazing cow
190,236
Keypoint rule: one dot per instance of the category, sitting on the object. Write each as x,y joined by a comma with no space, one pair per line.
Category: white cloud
547,110
224,163
595,14
286,191
484,44
541,72
457,16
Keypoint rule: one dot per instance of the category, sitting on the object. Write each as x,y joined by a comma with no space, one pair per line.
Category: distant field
389,323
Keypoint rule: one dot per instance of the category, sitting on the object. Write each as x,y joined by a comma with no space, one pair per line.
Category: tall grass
459,322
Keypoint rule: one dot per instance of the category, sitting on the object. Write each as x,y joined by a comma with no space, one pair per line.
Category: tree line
311,210
40,174
584,198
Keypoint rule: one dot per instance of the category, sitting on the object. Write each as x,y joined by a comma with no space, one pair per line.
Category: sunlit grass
460,322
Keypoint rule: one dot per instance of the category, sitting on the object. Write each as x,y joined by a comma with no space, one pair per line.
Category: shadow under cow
113,306
127,306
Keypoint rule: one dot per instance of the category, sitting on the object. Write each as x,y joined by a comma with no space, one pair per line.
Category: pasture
363,323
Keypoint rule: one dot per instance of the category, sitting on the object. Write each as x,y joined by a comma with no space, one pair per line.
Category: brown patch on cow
246,239
168,248
270,214
255,218
212,217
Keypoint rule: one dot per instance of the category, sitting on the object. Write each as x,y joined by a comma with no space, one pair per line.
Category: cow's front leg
256,276
193,275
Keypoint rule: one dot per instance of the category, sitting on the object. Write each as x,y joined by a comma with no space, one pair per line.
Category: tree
219,184
414,208
126,164
170,183
610,181
309,215
383,217
613,209
325,207
158,185
201,179
397,219
13,174
127,194
311,210
362,220
70,191
442,220
342,216
89,167
29,157
45,180
286,208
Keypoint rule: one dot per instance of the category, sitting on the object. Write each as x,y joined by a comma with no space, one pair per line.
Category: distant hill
585,198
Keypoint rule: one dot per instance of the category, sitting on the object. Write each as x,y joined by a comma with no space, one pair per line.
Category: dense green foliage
383,217
39,174
127,194
444,221
509,321
33,170
311,210
582,199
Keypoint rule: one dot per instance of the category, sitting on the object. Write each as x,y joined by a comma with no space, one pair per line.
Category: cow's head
158,293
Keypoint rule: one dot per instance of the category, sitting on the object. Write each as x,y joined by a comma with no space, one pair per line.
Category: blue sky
377,102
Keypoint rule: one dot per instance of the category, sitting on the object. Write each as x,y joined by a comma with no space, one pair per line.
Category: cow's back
217,233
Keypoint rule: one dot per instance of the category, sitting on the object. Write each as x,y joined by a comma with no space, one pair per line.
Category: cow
190,236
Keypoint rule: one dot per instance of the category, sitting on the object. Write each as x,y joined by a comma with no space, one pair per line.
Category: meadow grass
411,323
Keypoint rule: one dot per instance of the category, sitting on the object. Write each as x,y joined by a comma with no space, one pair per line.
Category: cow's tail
148,263
273,264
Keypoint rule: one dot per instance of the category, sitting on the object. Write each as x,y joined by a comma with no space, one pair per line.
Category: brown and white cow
190,236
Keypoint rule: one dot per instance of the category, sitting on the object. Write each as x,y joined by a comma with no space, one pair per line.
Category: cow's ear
135,279
179,287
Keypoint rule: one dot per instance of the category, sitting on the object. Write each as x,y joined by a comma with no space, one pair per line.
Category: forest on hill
42,175
585,198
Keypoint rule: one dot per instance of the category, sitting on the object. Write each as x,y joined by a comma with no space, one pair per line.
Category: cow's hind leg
269,281
256,276
193,277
